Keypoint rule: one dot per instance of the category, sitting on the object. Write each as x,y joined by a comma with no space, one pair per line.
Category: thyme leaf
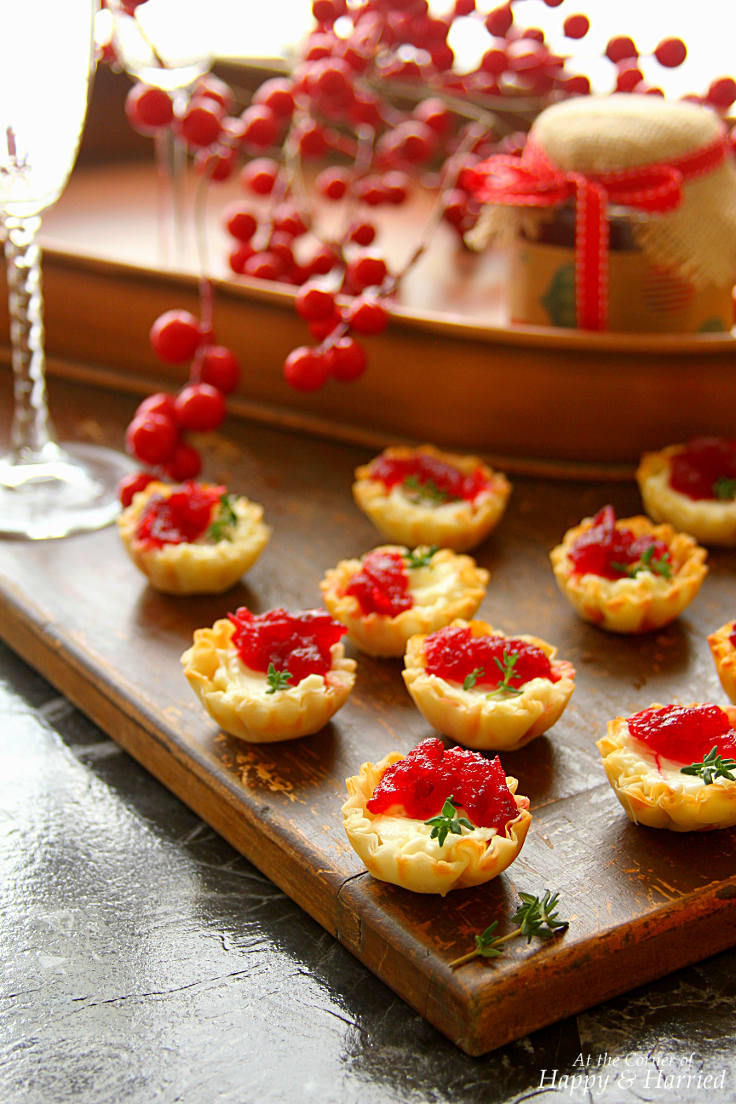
224,522
713,766
472,678
658,565
448,822
724,488
420,557
507,669
428,492
536,916
277,680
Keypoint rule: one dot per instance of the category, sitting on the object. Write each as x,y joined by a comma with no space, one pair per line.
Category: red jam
295,642
444,482
685,733
420,783
454,653
180,517
697,471
382,584
607,551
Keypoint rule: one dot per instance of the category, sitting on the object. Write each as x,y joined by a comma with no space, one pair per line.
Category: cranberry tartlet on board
693,487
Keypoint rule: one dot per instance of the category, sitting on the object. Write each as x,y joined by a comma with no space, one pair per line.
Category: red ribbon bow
533,181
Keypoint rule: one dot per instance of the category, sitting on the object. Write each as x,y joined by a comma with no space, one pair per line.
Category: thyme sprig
420,557
658,565
508,670
448,822
277,680
472,678
224,522
427,492
724,488
713,766
536,916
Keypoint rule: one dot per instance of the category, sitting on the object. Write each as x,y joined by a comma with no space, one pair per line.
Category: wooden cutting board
640,902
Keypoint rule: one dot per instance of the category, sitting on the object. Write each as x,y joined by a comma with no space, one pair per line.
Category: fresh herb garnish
277,680
507,669
448,822
724,488
427,492
420,557
658,565
224,522
472,678
535,916
713,766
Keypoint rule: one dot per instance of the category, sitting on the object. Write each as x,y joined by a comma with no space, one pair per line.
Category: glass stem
32,431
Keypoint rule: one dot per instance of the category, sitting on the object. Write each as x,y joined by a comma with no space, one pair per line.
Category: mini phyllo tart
192,538
270,676
484,689
435,820
673,766
392,593
723,648
693,486
628,576
424,496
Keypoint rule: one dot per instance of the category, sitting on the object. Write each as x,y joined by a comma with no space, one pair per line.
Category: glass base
61,490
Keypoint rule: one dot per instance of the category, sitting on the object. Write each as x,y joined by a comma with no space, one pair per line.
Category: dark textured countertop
146,961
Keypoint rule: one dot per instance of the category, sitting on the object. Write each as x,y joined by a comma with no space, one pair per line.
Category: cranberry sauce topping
382,584
705,468
424,476
732,637
422,781
616,553
295,642
454,653
181,517
685,733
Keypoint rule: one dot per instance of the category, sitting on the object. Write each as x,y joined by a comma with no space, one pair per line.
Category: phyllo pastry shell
449,586
639,604
499,723
709,520
412,518
238,698
724,657
653,790
399,849
204,566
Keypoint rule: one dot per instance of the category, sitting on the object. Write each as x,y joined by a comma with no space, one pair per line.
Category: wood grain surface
641,902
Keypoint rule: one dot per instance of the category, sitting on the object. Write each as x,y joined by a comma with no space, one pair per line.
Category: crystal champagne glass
47,489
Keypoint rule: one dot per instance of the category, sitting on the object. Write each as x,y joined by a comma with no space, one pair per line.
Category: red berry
260,175
131,485
201,124
238,257
455,207
305,369
333,78
362,233
442,57
320,328
621,47
261,126
327,11
576,26
396,185
175,336
289,220
722,92
264,266
367,316
433,114
281,244
299,274
219,368
411,141
278,95
553,3
200,407
217,163
494,62
129,6
366,271
576,86
322,261
526,56
148,109
313,302
212,88
366,108
311,139
499,21
333,183
239,221
370,190
160,403
185,463
629,75
464,7
151,438
346,359
671,52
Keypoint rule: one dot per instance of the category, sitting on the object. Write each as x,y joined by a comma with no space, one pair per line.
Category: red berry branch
376,90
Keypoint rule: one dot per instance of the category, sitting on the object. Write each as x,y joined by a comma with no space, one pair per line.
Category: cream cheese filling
411,836
436,584
642,769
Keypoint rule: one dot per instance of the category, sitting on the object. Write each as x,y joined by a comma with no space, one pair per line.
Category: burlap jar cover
666,169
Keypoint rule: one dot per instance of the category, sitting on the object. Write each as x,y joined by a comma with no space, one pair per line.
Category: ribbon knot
532,180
